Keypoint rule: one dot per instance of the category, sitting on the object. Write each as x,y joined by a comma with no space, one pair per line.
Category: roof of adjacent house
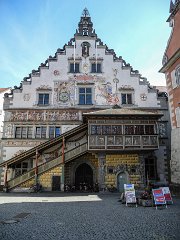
3,89
123,111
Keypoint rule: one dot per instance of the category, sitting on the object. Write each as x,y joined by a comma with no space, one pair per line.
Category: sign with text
167,194
129,193
158,195
128,187
130,197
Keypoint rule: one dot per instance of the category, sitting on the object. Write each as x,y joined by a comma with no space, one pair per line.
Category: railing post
63,147
63,161
36,168
5,179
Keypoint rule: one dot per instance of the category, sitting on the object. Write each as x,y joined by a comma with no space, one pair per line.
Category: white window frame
177,76
46,91
92,94
127,92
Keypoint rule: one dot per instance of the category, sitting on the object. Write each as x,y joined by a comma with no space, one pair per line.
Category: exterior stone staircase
69,154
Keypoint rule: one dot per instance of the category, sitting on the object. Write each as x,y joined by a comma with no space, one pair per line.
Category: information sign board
159,198
130,193
167,194
128,187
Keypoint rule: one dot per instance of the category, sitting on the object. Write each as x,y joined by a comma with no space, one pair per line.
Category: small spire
171,7
85,26
85,13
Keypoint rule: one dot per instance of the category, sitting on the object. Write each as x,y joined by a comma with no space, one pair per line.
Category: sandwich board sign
159,198
167,194
130,193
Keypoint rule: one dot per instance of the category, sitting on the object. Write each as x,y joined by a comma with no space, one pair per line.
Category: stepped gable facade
85,115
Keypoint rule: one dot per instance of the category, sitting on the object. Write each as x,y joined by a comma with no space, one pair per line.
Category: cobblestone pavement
68,216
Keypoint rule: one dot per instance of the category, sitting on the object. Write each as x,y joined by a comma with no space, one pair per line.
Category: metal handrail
31,152
69,155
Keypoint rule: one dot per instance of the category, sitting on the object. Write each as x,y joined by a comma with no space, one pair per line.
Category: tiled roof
3,89
162,88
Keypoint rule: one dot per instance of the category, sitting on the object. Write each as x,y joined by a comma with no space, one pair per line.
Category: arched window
177,76
85,49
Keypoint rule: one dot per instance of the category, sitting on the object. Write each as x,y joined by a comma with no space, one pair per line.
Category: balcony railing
123,142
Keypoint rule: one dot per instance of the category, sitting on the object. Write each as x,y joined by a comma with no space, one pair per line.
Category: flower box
147,202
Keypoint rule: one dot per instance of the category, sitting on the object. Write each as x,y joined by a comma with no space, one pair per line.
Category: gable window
43,99
54,132
177,76
74,68
85,96
40,132
126,98
96,68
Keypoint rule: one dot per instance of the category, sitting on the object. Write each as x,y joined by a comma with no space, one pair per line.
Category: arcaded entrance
84,174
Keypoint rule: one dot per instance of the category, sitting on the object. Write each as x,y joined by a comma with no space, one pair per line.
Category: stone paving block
63,216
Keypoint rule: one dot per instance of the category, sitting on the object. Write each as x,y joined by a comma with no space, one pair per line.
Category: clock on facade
63,96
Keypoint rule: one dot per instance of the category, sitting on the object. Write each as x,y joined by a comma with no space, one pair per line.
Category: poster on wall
167,194
159,198
130,193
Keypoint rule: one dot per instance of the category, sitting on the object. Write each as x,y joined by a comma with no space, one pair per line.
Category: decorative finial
85,13
172,6
85,26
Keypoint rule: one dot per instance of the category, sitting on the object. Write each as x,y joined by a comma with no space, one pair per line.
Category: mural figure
106,92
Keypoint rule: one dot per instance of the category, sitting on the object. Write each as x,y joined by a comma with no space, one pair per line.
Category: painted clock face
63,96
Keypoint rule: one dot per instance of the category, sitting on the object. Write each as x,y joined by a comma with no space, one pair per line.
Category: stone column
142,169
101,170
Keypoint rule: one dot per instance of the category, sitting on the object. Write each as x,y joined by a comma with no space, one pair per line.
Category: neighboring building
2,92
102,118
171,68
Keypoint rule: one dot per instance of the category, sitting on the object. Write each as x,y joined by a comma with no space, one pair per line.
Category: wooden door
56,183
121,180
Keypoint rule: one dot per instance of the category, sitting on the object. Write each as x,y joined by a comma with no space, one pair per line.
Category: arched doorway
122,178
83,174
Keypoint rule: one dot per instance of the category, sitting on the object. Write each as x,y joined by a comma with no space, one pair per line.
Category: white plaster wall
66,128
47,78
11,151
26,98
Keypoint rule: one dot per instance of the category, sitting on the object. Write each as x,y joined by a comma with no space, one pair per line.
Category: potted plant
146,199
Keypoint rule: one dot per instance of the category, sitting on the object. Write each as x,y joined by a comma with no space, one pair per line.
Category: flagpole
96,55
74,55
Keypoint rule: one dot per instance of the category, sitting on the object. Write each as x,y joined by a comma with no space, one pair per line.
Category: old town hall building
85,116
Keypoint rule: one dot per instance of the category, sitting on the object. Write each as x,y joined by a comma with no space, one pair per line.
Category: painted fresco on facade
85,76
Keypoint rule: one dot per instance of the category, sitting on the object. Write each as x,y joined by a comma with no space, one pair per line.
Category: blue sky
31,30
